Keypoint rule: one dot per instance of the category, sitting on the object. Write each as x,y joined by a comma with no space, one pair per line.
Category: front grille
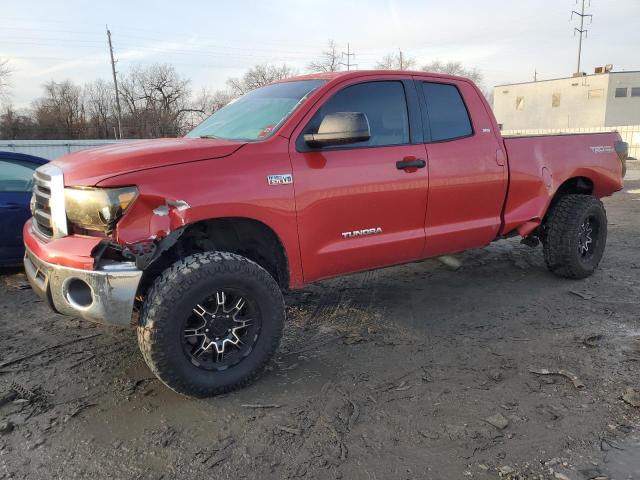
41,204
47,203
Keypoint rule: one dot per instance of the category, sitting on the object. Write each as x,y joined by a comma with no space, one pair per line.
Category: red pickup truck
308,178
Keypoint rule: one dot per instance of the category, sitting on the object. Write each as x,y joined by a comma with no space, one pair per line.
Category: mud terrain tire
575,235
169,305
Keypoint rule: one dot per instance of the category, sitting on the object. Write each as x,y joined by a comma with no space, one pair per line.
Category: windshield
257,114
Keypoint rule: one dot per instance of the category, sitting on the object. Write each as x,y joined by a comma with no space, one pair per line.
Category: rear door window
447,113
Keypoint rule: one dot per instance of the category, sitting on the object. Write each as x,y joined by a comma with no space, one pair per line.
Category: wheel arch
574,185
579,184
533,212
245,236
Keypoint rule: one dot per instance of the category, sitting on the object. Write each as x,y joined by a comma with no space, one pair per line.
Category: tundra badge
282,179
360,233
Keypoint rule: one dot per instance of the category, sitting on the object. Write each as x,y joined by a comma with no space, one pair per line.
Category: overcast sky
208,41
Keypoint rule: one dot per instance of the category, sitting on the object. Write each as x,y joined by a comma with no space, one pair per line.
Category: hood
88,167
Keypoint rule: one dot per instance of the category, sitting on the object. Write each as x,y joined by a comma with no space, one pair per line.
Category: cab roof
329,76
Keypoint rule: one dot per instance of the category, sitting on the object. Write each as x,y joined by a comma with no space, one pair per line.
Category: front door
363,205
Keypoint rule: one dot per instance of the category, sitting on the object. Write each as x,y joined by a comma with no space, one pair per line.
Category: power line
115,84
581,31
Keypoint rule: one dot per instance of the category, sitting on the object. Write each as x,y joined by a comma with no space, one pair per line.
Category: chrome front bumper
105,295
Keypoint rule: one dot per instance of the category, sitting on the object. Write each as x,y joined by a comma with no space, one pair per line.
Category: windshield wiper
208,136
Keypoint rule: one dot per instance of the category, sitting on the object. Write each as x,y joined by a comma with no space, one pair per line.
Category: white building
598,100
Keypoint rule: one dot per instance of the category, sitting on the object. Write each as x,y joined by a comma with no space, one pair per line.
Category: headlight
97,208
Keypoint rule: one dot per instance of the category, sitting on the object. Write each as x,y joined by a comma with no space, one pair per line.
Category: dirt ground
412,372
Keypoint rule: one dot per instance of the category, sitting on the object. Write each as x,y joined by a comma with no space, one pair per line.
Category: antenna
581,31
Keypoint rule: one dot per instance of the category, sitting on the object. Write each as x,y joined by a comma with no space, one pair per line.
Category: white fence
629,133
51,149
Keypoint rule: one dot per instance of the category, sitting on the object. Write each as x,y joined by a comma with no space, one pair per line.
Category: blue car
16,171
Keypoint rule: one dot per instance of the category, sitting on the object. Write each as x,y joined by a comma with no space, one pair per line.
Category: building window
520,103
621,92
596,93
555,100
635,91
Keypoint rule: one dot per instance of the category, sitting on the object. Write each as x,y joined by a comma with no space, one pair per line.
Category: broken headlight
97,208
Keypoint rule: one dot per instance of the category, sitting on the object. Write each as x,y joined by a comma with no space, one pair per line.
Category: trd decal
602,149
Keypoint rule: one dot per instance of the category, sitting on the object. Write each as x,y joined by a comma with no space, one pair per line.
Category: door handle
414,163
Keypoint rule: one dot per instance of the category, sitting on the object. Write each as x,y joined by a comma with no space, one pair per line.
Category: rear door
357,207
15,194
467,167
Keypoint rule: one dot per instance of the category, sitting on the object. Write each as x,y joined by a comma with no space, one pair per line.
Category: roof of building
565,78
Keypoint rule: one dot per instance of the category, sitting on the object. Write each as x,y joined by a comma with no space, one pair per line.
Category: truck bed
539,165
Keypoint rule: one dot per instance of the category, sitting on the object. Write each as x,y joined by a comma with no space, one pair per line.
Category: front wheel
210,323
575,234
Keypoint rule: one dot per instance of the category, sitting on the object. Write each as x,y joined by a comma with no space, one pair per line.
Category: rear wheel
210,323
575,235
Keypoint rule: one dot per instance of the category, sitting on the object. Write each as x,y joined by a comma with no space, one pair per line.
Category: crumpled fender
151,217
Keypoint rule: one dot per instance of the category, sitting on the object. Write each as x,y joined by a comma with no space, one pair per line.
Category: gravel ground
412,372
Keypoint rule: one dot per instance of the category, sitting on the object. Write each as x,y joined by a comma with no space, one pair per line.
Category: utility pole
401,62
115,83
581,30
535,75
348,54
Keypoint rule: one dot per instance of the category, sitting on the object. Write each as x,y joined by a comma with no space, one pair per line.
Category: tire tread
168,289
561,230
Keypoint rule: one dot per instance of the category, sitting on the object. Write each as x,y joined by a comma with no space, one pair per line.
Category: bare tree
155,98
454,68
205,104
60,112
329,61
156,102
396,61
259,76
5,77
16,124
208,102
100,108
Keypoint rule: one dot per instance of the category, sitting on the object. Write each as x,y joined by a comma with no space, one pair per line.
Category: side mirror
340,128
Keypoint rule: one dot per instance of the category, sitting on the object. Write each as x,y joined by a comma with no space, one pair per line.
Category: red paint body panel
472,190
87,167
563,157
232,186
344,190
467,185
347,190
74,251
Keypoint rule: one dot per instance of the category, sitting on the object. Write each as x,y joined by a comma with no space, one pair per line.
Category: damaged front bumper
104,295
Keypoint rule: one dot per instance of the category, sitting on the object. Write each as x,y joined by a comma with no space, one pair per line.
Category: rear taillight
622,149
